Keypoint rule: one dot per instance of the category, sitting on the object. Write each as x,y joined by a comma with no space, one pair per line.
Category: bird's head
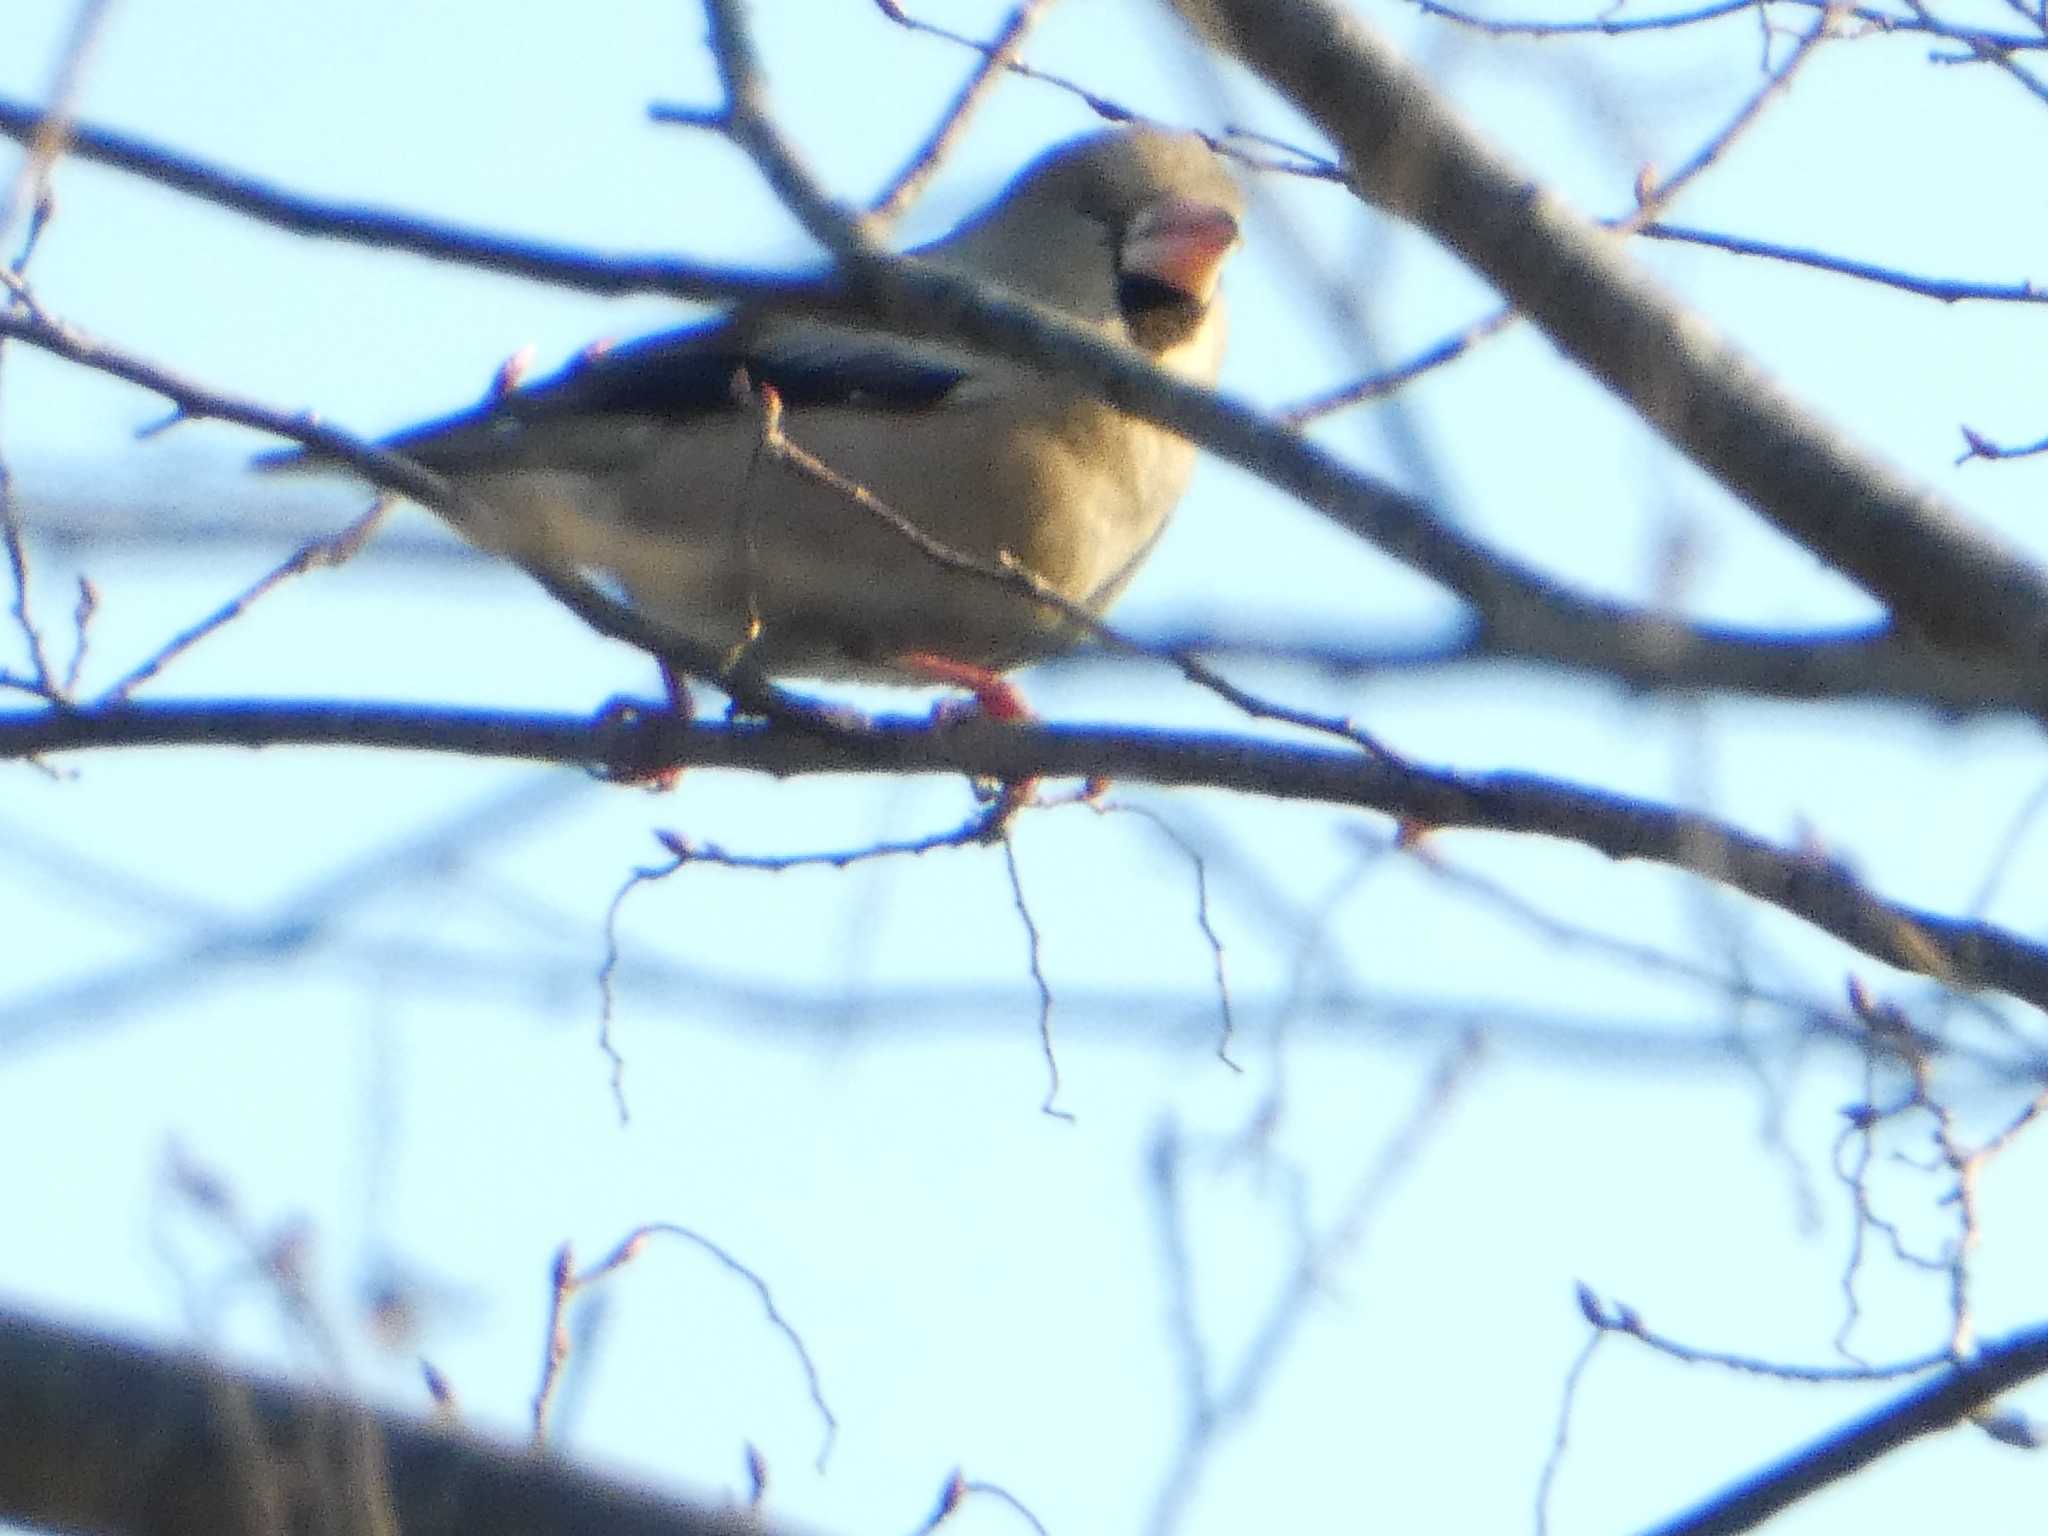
1127,229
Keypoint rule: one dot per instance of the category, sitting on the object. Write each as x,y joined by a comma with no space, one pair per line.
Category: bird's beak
1181,242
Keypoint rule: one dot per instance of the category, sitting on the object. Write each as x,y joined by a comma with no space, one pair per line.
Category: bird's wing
677,377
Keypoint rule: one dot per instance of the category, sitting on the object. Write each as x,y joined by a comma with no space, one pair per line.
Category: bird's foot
994,697
629,718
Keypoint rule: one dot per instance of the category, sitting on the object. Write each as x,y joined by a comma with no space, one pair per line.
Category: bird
642,464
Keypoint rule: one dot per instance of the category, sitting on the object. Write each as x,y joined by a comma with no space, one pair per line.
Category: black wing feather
676,376
680,374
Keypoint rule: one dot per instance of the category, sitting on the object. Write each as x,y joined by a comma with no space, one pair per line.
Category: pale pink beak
1181,242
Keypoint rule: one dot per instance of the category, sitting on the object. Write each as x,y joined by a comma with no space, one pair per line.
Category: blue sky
837,1075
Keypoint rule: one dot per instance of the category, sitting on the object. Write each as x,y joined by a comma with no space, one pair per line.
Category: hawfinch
642,465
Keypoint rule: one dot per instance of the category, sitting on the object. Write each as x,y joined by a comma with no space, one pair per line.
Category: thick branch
1940,1404
1409,153
1650,653
102,1436
355,224
1958,952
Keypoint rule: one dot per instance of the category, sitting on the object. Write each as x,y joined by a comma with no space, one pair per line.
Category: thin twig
566,1282
1651,198
1388,381
1611,23
959,1488
1983,52
1655,195
1204,915
32,188
685,851
1102,106
1011,573
555,1351
1553,1461
1034,949
747,122
1617,1317
908,184
318,554
1946,290
32,179
1218,1410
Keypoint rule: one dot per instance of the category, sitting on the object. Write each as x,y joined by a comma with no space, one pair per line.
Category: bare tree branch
1941,1404
748,123
1412,155
1948,290
1652,198
1001,54
1957,952
1610,23
104,1436
1104,108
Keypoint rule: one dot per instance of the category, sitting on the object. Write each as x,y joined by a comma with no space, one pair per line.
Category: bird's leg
996,697
677,687
682,709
